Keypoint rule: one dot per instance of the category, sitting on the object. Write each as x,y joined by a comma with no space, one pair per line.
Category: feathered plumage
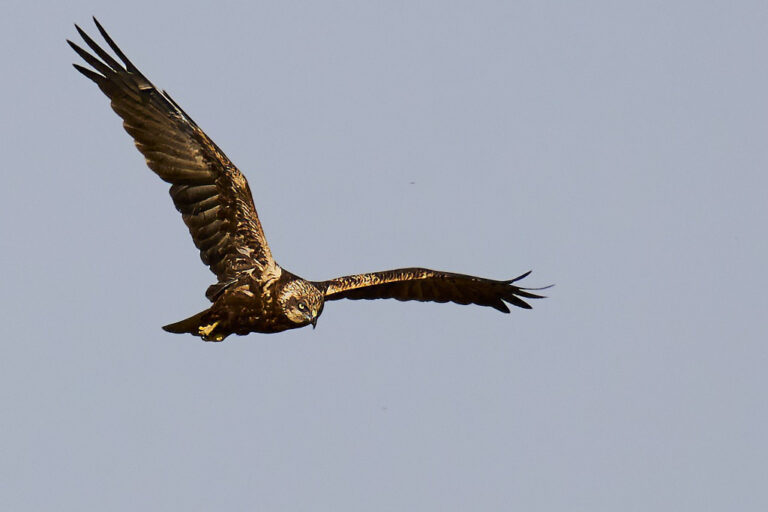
253,293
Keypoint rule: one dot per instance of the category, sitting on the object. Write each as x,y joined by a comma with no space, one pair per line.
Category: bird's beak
314,321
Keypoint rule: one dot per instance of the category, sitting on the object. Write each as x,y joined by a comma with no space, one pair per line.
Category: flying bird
252,293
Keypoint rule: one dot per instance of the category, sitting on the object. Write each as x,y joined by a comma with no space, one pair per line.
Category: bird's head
301,302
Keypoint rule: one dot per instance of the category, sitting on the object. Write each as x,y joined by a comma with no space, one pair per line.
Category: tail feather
188,325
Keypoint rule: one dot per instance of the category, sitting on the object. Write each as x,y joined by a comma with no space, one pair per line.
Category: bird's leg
205,332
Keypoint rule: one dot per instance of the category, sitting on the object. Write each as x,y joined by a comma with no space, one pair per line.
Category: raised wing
429,286
211,194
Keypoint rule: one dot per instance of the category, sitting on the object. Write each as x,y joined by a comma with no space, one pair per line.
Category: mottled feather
426,285
211,194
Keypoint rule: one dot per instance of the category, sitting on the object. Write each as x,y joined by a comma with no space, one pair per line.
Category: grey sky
617,148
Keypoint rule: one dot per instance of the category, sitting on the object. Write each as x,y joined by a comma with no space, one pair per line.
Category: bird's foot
205,332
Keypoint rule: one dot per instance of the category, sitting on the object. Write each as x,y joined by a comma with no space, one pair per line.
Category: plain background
617,148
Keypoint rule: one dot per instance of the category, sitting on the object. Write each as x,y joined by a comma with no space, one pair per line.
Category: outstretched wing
429,286
210,192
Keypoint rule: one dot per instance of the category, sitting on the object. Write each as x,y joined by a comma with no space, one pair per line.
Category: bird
252,292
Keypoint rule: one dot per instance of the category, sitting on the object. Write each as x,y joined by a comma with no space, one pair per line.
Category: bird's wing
429,286
211,194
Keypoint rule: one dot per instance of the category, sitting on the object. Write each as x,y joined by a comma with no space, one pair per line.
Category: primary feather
207,189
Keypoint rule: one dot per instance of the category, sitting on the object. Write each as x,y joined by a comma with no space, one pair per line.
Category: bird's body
253,293
255,304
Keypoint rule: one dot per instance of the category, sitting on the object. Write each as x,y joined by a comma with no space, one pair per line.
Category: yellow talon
205,330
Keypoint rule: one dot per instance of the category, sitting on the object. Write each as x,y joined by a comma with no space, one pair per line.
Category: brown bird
253,293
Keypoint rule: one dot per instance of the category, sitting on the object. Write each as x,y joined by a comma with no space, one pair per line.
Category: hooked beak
313,321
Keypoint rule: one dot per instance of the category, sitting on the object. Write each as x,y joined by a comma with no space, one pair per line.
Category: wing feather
429,286
207,189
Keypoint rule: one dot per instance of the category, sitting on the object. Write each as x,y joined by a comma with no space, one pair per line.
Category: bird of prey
252,293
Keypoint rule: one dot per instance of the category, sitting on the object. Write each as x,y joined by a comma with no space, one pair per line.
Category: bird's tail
189,325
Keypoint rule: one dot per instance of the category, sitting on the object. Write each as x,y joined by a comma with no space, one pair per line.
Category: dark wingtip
524,292
516,294
501,306
517,301
88,73
128,64
80,31
522,276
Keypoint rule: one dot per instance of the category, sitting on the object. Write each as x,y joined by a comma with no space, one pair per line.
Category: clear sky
618,149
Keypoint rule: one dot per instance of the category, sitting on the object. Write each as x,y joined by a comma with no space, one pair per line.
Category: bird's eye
302,306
